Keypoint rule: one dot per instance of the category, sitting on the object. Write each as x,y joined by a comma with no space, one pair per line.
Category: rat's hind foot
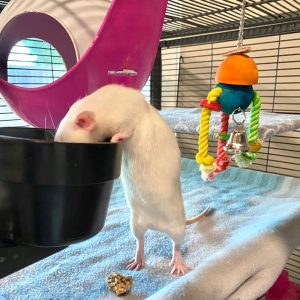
179,266
136,264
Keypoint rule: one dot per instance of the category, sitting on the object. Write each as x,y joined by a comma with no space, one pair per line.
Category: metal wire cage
196,32
190,17
186,64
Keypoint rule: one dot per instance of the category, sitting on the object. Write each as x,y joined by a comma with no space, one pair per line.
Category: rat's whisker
51,117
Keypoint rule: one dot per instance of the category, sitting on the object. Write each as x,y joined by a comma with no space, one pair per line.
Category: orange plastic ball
239,69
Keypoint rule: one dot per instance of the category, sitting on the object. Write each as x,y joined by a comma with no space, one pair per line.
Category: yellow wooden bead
256,146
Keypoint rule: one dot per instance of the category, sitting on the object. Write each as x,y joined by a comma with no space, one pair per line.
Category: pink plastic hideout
283,289
122,52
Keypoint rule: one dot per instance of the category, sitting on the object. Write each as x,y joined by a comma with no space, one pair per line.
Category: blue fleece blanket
236,252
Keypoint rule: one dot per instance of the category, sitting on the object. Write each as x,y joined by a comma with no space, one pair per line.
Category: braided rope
254,119
222,160
202,157
243,160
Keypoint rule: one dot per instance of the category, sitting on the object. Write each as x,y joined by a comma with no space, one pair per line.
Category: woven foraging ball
237,69
118,283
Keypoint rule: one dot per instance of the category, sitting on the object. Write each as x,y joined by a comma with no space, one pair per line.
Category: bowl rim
10,137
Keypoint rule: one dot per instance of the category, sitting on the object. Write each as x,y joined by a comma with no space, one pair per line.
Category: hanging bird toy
233,94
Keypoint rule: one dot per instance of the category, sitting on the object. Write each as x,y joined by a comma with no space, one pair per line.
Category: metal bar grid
278,63
34,63
196,17
267,29
3,4
197,22
188,74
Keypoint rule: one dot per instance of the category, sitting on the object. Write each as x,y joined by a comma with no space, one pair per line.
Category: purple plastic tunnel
122,52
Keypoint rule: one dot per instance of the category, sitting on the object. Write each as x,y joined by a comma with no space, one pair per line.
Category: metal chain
241,28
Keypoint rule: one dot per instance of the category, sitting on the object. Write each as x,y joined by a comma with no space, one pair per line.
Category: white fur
151,158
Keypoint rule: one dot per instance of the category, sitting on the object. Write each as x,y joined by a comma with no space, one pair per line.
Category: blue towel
238,251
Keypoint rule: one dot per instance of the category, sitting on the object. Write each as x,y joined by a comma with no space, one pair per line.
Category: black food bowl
53,194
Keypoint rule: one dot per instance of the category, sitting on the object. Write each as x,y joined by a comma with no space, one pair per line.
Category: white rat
150,163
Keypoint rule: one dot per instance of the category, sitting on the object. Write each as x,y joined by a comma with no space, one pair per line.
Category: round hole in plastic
24,26
34,62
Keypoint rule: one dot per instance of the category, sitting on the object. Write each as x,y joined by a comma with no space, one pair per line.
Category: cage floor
238,250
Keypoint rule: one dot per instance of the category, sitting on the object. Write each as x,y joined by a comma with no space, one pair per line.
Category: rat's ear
86,120
118,137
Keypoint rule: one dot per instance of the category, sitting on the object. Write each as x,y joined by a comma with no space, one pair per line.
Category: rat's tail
198,217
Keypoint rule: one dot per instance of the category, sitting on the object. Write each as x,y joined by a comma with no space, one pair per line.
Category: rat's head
108,115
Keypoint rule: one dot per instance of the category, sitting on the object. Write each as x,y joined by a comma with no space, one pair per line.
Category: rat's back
150,174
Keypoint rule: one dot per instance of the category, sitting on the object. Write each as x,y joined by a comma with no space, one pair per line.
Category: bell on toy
237,142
